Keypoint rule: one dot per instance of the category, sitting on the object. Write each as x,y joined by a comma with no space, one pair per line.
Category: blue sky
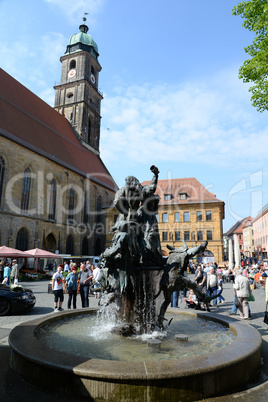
169,75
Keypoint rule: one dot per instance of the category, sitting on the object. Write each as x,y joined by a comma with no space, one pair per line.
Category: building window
26,185
177,216
52,200
240,237
183,196
164,217
92,70
199,216
22,239
186,216
209,234
167,197
2,172
70,245
208,216
186,235
164,236
199,235
157,217
71,206
85,246
99,210
177,236
89,131
72,64
86,209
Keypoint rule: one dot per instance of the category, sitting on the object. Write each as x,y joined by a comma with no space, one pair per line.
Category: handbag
237,303
251,298
266,316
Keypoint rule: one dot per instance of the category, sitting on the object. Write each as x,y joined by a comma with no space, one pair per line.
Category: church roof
32,123
83,41
183,191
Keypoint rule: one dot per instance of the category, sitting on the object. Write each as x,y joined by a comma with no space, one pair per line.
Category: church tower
77,95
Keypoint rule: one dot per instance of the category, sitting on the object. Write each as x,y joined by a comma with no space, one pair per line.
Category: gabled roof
238,227
32,123
195,192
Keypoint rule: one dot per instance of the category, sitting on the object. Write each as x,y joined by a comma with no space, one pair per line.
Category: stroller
192,301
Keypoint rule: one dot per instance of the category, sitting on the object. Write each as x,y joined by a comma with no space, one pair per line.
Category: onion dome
82,41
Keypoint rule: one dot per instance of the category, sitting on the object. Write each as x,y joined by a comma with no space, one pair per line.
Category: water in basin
91,336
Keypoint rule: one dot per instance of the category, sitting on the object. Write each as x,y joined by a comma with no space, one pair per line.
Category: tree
255,15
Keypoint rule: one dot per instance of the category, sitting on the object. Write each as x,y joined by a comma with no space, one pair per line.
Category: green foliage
255,15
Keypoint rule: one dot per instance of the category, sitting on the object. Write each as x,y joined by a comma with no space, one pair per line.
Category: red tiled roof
194,190
238,227
29,121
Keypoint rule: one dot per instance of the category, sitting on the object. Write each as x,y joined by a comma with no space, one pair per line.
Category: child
192,301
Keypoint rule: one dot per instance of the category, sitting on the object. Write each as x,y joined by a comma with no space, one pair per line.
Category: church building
54,187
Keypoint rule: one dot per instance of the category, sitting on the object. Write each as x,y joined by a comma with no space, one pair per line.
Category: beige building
248,240
188,210
53,184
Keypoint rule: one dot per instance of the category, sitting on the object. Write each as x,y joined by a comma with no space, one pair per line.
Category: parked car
15,299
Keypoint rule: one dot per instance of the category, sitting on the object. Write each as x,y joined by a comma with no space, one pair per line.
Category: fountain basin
192,378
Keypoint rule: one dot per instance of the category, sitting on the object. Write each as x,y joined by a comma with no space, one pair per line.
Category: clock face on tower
92,79
71,73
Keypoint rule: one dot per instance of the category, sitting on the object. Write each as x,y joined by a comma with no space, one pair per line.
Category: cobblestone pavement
14,389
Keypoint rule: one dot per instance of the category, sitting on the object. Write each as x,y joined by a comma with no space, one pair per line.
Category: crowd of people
78,281
9,272
211,279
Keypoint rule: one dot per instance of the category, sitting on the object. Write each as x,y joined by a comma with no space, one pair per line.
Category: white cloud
209,121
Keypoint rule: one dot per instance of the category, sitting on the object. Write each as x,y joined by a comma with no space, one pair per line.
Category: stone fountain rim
23,341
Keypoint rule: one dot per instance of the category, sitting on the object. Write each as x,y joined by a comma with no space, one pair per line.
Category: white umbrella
231,256
237,252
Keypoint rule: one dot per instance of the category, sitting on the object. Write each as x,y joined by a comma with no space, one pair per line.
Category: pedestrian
7,273
201,280
96,273
85,277
221,299
57,288
212,285
14,272
66,266
242,287
72,286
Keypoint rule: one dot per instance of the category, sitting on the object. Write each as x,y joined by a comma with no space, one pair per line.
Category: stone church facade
54,187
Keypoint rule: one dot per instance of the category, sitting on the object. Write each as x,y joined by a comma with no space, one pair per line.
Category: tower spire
84,27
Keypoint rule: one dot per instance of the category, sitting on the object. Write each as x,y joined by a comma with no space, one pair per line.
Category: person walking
85,277
57,288
243,291
72,286
7,273
221,299
14,272
212,285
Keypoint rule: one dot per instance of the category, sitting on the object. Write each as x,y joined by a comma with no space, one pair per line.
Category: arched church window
26,185
2,172
71,205
89,131
99,208
72,64
70,245
86,209
52,200
92,70
22,239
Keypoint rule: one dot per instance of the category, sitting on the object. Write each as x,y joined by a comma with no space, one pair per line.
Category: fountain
138,283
